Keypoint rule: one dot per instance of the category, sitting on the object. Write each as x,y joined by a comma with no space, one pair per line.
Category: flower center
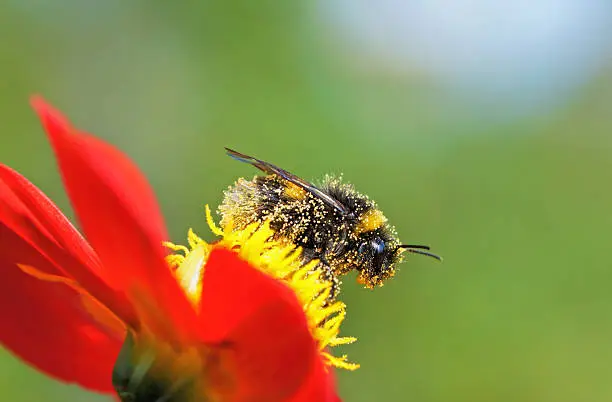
283,262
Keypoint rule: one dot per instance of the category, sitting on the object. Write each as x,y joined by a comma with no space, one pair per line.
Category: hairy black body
321,231
332,223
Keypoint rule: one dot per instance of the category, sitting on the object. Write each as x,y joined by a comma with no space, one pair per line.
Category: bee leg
328,275
340,244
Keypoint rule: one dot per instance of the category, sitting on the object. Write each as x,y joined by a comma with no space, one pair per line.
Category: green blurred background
481,128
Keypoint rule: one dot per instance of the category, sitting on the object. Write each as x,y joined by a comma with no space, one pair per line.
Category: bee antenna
415,249
422,247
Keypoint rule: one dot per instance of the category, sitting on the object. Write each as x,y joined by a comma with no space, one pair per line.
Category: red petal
320,386
46,325
33,217
260,321
121,219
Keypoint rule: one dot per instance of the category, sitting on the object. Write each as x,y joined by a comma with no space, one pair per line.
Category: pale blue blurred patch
504,58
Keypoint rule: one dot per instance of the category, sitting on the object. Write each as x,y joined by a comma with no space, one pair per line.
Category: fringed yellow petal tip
188,266
340,362
211,222
255,244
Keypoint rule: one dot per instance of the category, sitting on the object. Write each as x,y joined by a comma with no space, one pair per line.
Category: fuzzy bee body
332,223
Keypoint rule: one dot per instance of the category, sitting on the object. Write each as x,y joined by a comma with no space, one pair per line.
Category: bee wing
290,177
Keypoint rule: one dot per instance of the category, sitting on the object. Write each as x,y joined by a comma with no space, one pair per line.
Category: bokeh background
481,128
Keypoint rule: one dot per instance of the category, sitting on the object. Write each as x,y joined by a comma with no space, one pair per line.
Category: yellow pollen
294,191
370,220
283,262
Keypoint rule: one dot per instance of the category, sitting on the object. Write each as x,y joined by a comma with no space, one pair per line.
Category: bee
333,223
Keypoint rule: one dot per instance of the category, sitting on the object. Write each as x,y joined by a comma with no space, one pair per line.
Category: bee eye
378,245
362,248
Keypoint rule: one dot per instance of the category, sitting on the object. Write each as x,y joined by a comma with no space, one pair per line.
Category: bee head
377,257
379,254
